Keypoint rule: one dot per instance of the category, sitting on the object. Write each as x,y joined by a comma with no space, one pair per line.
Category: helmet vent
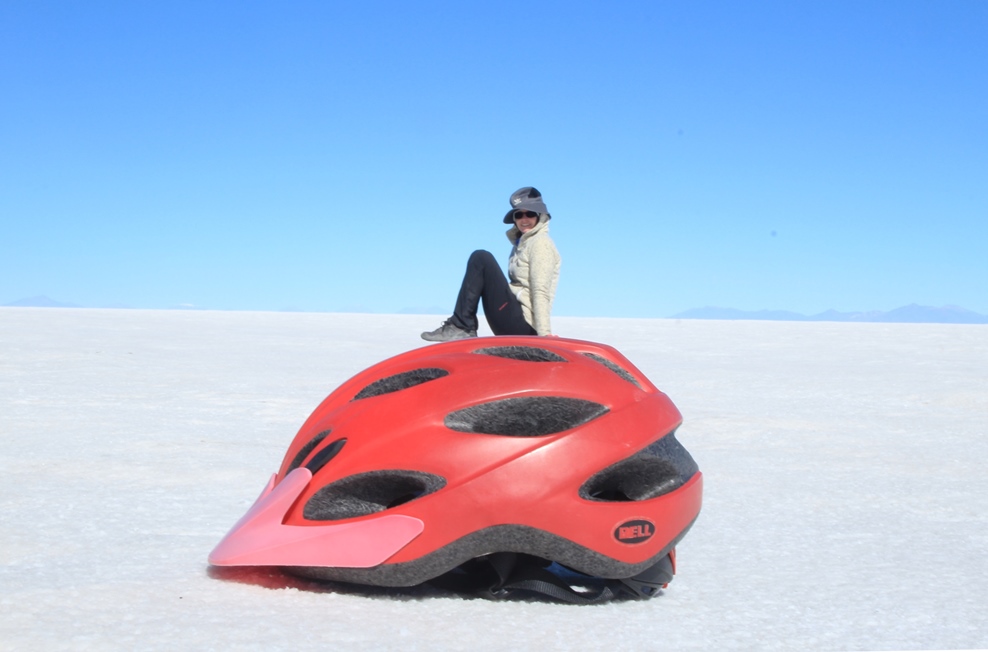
400,381
530,416
308,448
369,493
620,371
320,459
524,353
661,468
632,480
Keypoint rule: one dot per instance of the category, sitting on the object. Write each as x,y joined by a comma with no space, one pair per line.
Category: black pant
484,281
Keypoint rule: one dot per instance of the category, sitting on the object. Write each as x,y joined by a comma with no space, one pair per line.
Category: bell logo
637,531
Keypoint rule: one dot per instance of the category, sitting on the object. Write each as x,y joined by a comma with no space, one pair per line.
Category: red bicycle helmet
529,463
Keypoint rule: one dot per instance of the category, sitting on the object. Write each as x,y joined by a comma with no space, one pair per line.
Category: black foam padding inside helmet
523,353
657,469
400,381
369,493
613,366
503,538
308,448
321,458
529,416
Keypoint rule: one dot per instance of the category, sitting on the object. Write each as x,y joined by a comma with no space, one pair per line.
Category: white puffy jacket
533,272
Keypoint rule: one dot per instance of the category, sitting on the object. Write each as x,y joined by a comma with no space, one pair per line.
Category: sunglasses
517,215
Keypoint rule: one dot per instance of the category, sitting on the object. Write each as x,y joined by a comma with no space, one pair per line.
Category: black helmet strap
501,575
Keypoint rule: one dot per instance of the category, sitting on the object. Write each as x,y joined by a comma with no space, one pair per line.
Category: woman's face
525,220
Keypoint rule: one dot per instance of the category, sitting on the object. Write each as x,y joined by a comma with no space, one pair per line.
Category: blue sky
333,156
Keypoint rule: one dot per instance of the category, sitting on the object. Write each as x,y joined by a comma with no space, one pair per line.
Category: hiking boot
447,332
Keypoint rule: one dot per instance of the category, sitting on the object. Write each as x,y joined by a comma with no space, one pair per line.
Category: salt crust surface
845,500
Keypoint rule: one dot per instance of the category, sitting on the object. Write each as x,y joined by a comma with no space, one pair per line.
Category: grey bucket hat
526,199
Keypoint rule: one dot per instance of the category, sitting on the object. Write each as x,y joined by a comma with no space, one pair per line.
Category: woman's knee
481,260
481,255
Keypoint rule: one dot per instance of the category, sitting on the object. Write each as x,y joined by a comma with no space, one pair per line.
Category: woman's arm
543,264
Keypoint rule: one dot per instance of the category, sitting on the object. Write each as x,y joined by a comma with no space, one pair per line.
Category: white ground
845,506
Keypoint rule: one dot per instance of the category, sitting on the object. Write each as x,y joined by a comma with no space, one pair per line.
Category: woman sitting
522,303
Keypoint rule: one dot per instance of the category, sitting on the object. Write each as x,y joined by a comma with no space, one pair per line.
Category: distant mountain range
40,302
911,314
45,302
